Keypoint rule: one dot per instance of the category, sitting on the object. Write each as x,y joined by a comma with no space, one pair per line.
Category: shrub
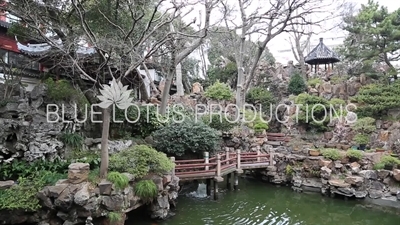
146,190
120,180
73,140
361,139
16,169
314,82
219,122
188,136
254,120
331,153
219,91
297,84
260,96
140,160
376,99
388,160
313,111
354,154
62,90
23,195
365,125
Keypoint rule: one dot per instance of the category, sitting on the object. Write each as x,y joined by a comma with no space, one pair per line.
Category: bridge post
206,160
218,165
227,154
208,183
238,159
258,153
271,157
173,170
236,180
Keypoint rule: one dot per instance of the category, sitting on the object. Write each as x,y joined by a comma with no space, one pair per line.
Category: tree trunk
152,85
104,143
240,80
179,84
167,87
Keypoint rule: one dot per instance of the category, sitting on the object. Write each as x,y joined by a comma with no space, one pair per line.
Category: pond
256,203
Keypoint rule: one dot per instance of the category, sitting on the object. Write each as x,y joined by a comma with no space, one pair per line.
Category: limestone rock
396,174
78,172
338,183
326,172
354,180
6,184
82,196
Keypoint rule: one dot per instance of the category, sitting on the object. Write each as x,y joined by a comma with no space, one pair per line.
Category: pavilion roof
321,54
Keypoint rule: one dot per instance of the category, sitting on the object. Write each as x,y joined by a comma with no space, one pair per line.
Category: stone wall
76,200
295,166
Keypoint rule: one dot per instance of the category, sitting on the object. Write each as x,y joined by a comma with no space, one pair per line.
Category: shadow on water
256,203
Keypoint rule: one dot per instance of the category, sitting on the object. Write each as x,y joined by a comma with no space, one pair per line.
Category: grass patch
114,217
120,180
146,190
354,154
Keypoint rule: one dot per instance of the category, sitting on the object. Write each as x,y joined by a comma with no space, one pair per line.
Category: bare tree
123,33
267,22
177,55
299,40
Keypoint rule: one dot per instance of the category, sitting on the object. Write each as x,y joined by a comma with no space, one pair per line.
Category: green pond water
256,203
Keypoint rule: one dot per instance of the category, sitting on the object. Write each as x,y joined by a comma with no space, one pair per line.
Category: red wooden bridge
221,165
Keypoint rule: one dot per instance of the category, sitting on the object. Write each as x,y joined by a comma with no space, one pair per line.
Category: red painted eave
8,43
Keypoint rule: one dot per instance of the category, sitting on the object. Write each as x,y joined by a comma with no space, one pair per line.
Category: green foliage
86,156
261,96
289,170
297,84
375,100
354,154
143,120
379,166
140,160
365,125
120,180
388,160
73,140
314,111
15,169
179,138
146,190
219,122
114,217
62,90
314,82
223,74
331,153
254,120
23,195
219,91
373,32
361,139
260,127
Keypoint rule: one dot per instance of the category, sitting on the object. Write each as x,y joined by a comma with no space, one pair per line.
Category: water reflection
260,204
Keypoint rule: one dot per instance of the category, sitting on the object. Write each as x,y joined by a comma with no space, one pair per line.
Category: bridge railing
220,163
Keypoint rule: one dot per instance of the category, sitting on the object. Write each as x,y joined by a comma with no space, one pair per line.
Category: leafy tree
374,36
297,84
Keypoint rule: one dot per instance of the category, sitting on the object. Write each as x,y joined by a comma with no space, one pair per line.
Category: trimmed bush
140,160
354,154
260,96
189,136
297,84
219,91
331,153
219,122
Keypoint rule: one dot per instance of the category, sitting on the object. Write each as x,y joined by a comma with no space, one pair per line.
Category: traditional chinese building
321,55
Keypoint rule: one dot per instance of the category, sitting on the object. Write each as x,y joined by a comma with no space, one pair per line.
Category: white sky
280,42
